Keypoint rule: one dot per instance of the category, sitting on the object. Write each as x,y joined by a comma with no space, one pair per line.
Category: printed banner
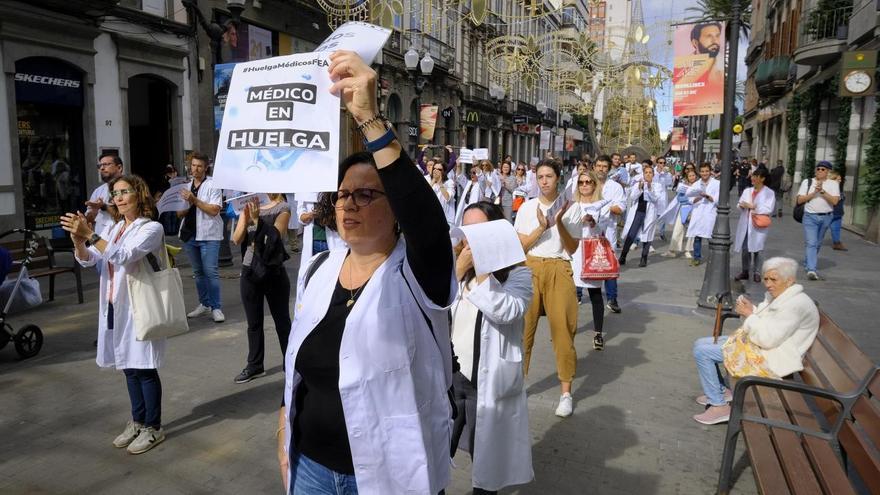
222,78
280,130
698,72
428,121
678,140
545,140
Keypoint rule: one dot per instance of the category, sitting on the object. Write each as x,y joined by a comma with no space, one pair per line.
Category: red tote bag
599,262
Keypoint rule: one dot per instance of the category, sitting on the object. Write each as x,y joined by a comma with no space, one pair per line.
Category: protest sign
494,245
238,202
280,130
466,156
171,199
481,153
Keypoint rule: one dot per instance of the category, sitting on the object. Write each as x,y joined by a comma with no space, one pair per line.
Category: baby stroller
29,338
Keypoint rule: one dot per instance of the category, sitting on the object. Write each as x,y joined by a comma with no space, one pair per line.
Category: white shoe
218,316
688,254
132,430
200,310
669,254
148,438
652,250
565,407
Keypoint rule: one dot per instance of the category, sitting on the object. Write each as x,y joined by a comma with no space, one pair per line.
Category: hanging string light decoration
341,11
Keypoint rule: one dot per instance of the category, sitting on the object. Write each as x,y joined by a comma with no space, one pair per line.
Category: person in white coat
487,335
472,193
594,214
615,194
125,247
755,200
678,214
444,189
369,363
645,200
704,196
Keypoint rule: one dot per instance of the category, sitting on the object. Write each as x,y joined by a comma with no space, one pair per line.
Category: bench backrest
835,362
43,256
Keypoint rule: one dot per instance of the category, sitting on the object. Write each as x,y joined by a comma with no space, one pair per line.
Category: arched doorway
150,127
49,110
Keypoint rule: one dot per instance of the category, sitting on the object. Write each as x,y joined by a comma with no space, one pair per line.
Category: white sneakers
128,435
202,310
565,407
148,438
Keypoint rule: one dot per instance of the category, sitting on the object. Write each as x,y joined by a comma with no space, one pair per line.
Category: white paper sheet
238,202
361,37
481,153
466,156
171,199
494,245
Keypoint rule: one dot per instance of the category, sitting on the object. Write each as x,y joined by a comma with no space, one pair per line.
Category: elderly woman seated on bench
771,342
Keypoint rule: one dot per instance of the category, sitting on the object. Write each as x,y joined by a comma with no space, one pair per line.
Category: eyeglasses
104,164
121,192
584,182
362,197
661,163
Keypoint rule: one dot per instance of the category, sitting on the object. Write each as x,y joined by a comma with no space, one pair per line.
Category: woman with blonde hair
261,232
134,242
594,216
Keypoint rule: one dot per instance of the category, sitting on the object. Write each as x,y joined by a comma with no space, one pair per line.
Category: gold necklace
352,294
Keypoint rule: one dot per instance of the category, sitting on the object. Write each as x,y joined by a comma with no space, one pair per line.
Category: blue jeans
203,256
815,227
698,248
318,246
836,223
145,393
310,478
611,289
708,356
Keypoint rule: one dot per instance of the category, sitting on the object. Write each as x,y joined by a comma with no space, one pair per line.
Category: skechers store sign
50,83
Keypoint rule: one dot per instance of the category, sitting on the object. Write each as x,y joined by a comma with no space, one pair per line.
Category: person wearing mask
201,231
819,197
444,189
704,197
554,291
261,230
369,365
678,213
594,215
616,196
109,168
133,242
641,217
487,334
756,205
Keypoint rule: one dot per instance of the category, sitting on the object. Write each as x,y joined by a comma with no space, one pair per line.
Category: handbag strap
153,262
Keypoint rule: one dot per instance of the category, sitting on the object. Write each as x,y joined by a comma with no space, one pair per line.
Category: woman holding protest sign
261,230
487,332
381,422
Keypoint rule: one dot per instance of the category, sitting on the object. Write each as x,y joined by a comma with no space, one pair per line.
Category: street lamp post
415,66
497,93
566,119
542,108
717,279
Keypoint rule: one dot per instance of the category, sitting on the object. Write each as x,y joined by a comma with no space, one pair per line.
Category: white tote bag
156,298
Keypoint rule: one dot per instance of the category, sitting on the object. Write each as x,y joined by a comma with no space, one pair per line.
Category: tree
708,10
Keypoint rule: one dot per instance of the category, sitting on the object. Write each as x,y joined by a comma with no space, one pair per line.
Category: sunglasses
121,192
362,197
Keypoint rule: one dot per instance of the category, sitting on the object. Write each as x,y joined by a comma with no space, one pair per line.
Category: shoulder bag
798,212
156,300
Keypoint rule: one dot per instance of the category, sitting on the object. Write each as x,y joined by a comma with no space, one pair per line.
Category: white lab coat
765,202
704,212
654,196
118,348
448,205
472,193
601,213
103,218
394,375
502,446
614,192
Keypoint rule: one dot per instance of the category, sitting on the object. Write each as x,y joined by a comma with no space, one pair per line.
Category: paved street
631,431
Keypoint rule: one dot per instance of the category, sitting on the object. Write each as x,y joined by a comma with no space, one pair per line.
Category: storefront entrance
49,109
150,129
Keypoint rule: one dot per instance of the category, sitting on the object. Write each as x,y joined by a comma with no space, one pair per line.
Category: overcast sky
658,15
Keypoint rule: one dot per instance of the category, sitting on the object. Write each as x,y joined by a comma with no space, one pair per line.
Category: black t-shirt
188,228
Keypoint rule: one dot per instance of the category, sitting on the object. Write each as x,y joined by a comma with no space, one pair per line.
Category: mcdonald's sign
472,116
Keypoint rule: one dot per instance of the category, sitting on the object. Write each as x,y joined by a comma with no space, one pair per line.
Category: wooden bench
43,264
814,432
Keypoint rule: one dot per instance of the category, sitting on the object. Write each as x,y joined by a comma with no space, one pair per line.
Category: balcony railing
819,24
773,76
